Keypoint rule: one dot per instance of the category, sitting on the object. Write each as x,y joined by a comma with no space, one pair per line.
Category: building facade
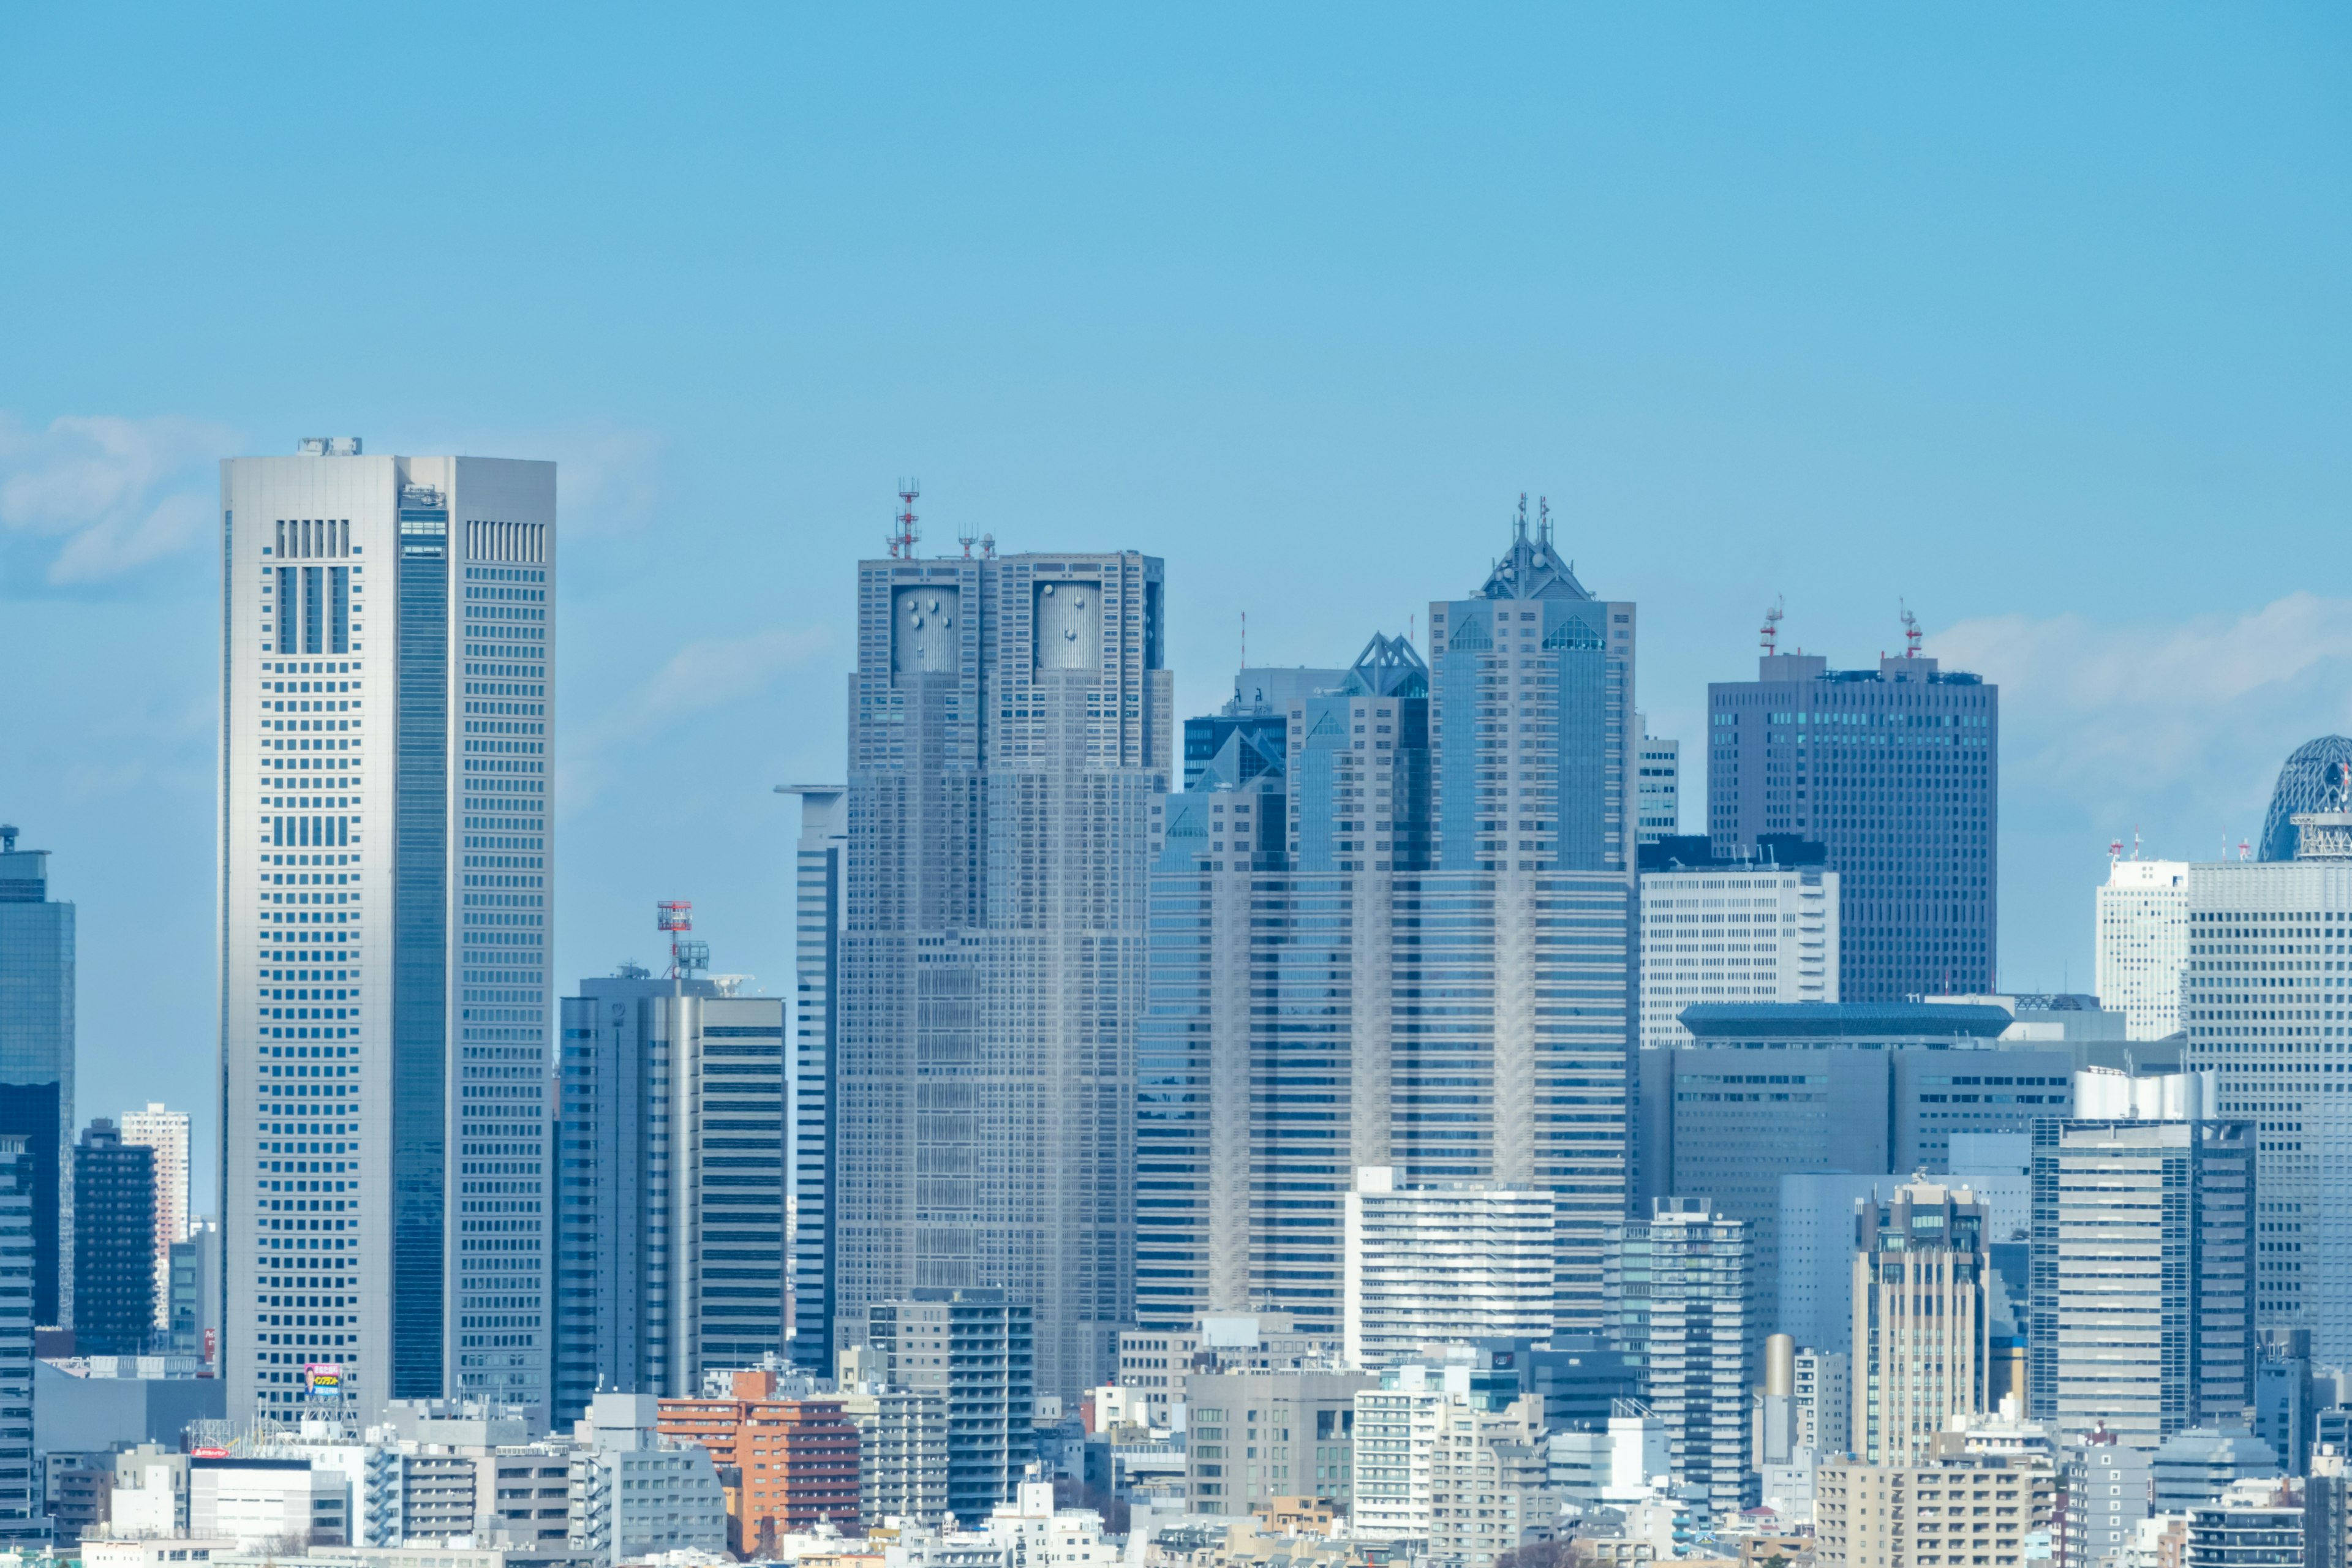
1717,935
1919,1318
1433,1264
2143,944
114,1243
2142,1266
1658,812
671,1209
1010,720
385,915
22,1521
2266,1009
36,1059
1926,1515
977,1351
819,909
1253,1437
1893,771
166,1132
1457,828
1678,1290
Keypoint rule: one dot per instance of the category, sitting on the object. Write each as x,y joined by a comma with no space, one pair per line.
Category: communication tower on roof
1772,632
1910,632
675,916
903,534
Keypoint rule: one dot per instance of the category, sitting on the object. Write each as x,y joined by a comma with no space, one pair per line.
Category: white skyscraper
1658,800
1450,1260
2143,944
1726,935
166,1132
384,928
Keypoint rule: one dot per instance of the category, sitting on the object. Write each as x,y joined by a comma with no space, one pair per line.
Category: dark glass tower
114,1243
36,1060
1893,771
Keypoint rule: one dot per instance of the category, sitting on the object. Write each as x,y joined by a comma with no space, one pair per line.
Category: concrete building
2253,1524
902,1453
1010,720
114,1243
2142,1271
2105,1486
1893,772
257,1502
1678,1292
1919,1321
385,896
1658,811
1253,1437
1943,1511
672,1205
166,1132
798,1458
636,1493
1757,933
1448,1261
1825,1396
975,1348
21,1522
2264,1007
1611,1463
2143,944
1489,1484
36,1060
819,911
1404,837
1153,1362
195,1300
2197,1464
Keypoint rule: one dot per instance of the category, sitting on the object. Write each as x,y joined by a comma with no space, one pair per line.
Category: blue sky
2034,317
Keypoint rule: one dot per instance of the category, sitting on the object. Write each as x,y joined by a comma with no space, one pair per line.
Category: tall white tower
2143,944
388,632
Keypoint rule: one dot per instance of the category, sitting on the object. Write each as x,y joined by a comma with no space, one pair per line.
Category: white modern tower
2143,944
387,628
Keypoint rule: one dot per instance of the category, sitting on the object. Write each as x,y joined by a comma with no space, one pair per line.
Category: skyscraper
2143,944
819,907
36,1060
1658,808
2266,1008
114,1243
1748,932
2142,1275
1893,771
1403,940
166,1132
1010,722
1919,1323
21,1521
1677,1294
385,925
670,1209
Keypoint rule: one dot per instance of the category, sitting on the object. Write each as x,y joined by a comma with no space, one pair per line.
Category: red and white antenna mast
1772,632
676,916
903,535
1910,632
2115,852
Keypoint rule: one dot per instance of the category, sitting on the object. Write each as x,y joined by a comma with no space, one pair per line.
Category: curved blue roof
1841,1020
2302,786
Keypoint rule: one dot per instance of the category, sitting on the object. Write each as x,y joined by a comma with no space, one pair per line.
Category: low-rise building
258,1502
1955,1510
2253,1524
1254,1436
902,1453
636,1493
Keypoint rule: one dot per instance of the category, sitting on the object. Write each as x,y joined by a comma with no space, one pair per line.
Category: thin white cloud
2187,721
116,493
712,673
607,476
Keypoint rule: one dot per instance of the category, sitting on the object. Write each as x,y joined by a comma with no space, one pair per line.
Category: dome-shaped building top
2303,786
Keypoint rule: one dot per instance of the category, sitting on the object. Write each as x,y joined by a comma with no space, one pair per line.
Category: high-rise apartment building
1919,1320
2142,1272
1010,724
819,909
976,1350
114,1243
1678,1297
36,1060
1430,1265
21,1521
2267,1007
385,915
670,1196
1453,829
1658,812
1893,771
1749,933
2143,944
166,1132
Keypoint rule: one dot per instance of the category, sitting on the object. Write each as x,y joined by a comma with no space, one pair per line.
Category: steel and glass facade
388,627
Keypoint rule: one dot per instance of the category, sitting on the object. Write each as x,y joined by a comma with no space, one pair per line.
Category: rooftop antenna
7,838
2134,841
1910,632
1410,621
675,916
988,547
967,540
2245,850
1523,516
902,546
2115,852
1245,639
1543,510
1771,632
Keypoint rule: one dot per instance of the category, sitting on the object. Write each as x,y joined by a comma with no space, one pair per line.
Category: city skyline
1365,297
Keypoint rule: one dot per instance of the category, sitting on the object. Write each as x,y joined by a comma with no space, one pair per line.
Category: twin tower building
1111,1040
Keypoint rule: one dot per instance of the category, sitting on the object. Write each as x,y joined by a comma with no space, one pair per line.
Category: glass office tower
36,1061
387,629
